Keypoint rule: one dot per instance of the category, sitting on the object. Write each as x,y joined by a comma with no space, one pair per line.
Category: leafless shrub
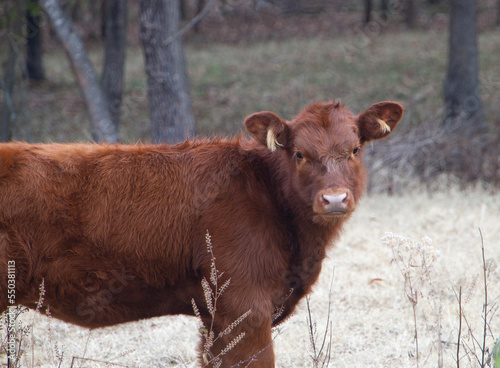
429,152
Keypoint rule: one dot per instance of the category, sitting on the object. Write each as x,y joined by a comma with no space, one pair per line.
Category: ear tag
271,141
383,125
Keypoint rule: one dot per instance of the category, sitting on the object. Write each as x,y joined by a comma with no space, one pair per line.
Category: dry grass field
372,321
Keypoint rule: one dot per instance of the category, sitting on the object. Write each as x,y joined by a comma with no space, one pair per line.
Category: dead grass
372,321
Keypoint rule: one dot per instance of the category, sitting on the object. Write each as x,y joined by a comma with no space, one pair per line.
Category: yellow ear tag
271,141
383,125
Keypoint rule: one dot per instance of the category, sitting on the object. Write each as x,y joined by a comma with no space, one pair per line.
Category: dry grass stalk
278,311
414,261
486,268
240,319
212,293
39,305
57,353
23,332
459,325
320,355
17,332
475,347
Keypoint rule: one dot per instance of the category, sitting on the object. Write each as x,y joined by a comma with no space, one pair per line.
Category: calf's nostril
325,199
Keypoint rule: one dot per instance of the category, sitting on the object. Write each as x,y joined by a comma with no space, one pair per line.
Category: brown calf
117,233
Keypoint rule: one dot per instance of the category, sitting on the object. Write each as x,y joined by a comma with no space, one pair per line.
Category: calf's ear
268,129
379,120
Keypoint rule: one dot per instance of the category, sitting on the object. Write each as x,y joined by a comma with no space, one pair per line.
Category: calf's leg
248,344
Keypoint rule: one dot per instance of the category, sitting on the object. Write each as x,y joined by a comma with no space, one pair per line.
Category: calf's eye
299,155
355,151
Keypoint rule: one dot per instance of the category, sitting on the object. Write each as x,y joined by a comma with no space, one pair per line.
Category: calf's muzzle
334,202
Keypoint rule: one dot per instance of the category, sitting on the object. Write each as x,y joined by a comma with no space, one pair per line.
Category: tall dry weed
475,346
212,293
414,260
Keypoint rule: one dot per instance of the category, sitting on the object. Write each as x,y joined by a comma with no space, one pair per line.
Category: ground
371,318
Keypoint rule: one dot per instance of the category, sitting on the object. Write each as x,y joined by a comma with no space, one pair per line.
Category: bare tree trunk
7,86
461,88
100,117
7,80
103,18
183,9
168,84
498,13
34,65
114,60
368,11
384,8
410,13
199,8
291,7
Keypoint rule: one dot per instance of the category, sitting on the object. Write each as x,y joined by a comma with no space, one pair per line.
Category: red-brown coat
117,233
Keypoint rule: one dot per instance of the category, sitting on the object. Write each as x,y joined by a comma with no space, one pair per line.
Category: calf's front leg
248,344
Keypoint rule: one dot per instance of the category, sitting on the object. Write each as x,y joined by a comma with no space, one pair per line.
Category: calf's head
322,147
